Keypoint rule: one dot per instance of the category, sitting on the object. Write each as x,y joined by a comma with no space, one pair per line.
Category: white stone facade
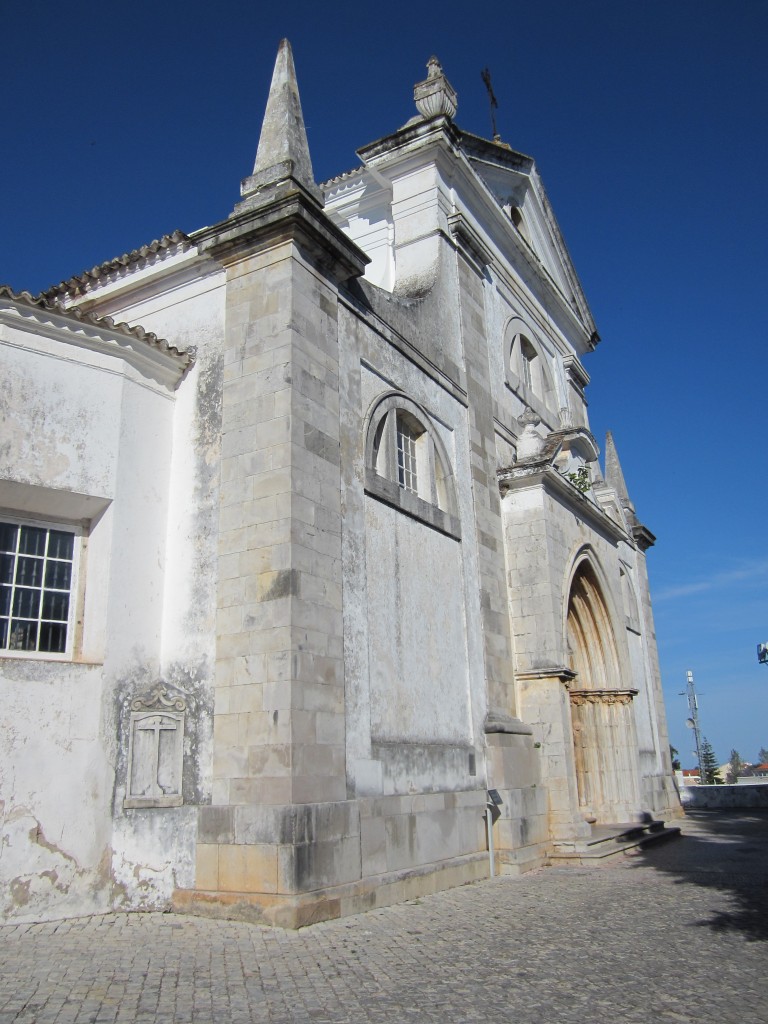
293,580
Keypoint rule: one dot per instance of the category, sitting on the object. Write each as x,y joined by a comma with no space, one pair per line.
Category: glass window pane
32,540
26,603
35,583
58,575
406,456
23,636
60,544
8,537
29,572
6,568
55,606
52,638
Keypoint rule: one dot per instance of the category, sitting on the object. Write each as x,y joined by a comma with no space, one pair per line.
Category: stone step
622,832
611,841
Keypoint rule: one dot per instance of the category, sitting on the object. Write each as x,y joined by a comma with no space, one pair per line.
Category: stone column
606,753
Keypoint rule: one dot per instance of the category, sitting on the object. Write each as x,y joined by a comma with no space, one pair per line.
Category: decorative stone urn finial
435,95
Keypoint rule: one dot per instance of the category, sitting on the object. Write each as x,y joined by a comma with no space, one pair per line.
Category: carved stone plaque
156,750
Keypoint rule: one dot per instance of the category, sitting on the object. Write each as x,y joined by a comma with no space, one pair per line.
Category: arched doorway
602,713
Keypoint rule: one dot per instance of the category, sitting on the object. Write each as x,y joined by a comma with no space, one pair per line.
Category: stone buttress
279,823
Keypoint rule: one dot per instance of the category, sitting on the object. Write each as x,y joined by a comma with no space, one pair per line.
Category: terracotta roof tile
78,284
185,357
355,172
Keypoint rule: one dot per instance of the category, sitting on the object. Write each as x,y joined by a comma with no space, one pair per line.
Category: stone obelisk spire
283,150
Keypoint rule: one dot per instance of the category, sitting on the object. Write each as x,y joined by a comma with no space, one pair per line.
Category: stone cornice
561,673
643,537
413,136
142,349
522,477
284,213
469,241
497,721
581,697
575,370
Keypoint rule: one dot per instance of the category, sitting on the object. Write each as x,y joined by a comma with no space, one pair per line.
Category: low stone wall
716,798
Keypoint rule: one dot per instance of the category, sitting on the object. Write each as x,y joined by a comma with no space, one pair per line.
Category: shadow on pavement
726,851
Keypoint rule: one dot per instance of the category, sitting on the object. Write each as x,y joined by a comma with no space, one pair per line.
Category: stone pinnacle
613,474
283,136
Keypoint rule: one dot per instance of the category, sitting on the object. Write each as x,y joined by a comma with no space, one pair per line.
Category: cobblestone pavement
677,934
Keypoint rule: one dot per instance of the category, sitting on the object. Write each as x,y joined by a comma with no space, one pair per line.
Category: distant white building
305,547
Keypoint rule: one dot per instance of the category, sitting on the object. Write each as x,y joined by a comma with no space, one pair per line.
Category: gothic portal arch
602,713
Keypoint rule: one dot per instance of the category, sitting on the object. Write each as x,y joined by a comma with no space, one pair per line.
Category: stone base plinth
293,865
297,910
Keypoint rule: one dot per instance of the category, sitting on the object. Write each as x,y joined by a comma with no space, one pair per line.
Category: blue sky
647,121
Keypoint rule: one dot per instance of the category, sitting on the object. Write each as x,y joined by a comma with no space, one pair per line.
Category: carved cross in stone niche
155,750
156,724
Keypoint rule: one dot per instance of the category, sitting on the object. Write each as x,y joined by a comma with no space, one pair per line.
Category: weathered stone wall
413,682
723,798
153,849
105,426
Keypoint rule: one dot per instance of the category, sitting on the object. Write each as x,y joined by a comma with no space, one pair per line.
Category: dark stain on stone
284,584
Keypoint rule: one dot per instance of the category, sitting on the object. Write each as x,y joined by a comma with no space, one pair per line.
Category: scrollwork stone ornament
160,697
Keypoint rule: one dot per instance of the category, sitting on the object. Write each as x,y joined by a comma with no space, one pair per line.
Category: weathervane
486,77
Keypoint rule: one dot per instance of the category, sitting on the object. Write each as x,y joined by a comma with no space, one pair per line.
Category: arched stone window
528,372
527,363
406,464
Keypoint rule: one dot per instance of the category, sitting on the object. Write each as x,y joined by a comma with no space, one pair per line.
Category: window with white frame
407,464
407,434
529,371
37,570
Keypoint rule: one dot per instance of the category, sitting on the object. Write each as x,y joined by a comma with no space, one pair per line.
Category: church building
314,596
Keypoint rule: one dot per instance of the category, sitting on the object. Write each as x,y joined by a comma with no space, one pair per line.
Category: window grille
406,457
36,574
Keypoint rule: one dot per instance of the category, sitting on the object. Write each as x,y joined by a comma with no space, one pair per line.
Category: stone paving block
678,936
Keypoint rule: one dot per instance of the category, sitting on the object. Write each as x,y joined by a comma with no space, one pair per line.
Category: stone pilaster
279,694
487,501
545,705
